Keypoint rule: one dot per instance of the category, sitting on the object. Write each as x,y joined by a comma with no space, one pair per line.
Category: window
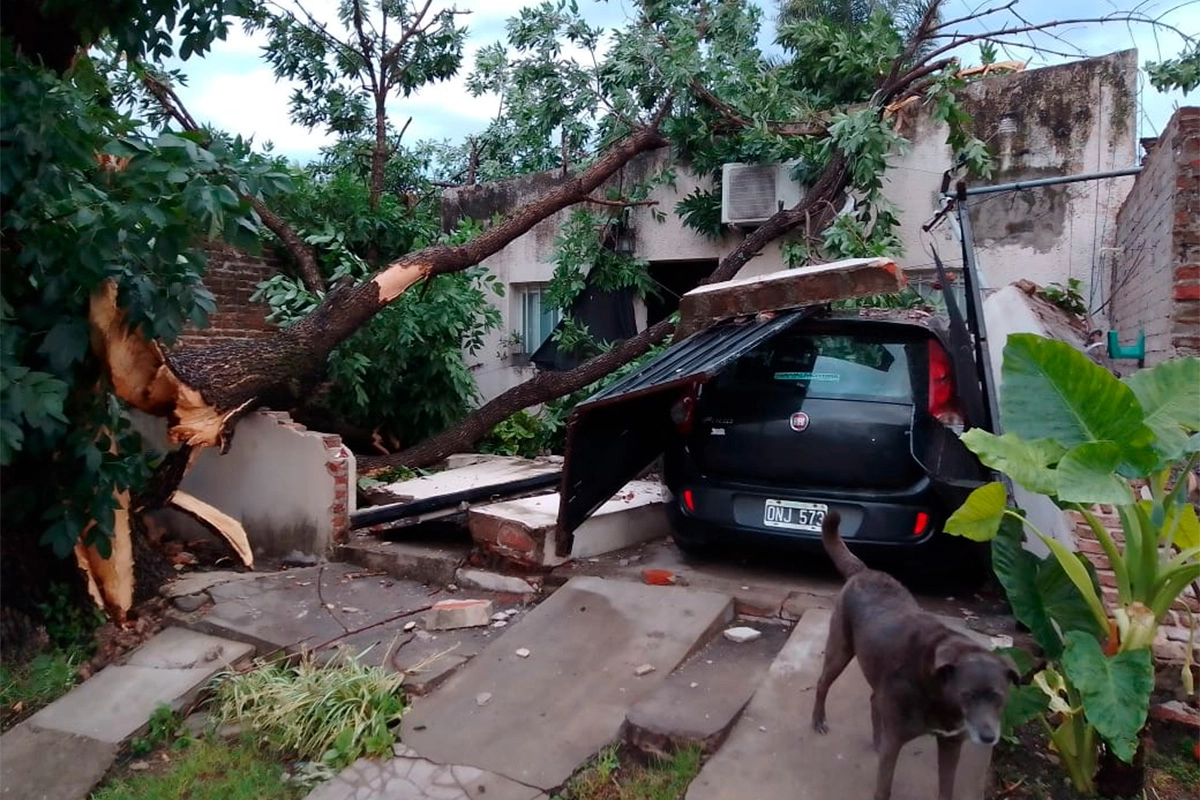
538,317
835,367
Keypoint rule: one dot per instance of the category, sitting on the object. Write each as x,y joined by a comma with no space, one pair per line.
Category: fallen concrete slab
773,751
51,765
523,530
410,777
787,289
699,702
306,607
551,711
116,702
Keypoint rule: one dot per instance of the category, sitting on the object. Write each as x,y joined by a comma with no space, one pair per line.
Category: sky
234,89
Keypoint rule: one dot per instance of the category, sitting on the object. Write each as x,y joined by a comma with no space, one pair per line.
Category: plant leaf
1042,597
1115,690
1024,704
1052,391
1167,394
1087,474
979,517
1025,461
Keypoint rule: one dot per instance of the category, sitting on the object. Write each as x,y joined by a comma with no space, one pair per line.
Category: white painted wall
275,480
1062,120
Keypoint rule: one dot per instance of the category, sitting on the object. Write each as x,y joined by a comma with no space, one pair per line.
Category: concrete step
65,749
773,751
699,702
536,719
432,563
523,530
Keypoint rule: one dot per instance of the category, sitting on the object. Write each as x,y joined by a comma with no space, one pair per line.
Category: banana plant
1077,434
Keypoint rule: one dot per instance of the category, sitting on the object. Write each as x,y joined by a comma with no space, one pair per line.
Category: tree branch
306,261
736,118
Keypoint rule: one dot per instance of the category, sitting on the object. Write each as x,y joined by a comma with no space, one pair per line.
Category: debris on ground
450,614
742,634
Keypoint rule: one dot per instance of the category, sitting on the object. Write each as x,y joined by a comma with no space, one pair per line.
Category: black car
844,411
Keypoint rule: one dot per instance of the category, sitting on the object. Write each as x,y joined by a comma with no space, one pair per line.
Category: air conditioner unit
750,193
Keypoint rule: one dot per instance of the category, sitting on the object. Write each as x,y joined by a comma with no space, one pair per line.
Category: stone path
410,777
64,750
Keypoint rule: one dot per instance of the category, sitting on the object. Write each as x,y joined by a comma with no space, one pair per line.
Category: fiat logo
799,421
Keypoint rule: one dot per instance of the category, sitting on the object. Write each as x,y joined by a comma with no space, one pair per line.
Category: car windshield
829,366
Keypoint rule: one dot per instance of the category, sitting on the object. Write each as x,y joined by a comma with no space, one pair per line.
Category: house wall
1061,120
233,277
1069,119
1155,276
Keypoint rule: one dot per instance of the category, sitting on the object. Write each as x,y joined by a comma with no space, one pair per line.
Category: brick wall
1156,272
233,276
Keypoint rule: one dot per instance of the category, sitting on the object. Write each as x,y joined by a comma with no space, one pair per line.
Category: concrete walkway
774,753
64,750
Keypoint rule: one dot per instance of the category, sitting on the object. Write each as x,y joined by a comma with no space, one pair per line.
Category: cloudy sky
234,89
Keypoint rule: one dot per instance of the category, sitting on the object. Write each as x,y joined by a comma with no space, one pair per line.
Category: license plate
794,515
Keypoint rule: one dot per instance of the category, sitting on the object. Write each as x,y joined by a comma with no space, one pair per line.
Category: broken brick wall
233,277
1156,272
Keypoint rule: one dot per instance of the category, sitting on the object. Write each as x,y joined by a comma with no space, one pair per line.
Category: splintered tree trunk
203,391
816,208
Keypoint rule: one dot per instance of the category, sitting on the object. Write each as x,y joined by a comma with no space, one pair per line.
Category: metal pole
1010,187
975,321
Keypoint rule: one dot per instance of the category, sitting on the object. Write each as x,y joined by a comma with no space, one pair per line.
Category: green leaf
1052,391
1115,690
1025,461
1042,597
979,517
1086,474
1167,394
1025,703
1182,520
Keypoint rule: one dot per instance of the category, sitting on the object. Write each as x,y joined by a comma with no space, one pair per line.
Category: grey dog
924,676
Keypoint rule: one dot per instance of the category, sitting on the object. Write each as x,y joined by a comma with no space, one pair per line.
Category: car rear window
830,366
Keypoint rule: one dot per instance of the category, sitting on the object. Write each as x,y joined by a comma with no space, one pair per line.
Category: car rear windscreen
827,366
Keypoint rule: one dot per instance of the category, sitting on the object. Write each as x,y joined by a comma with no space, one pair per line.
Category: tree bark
203,391
306,262
817,207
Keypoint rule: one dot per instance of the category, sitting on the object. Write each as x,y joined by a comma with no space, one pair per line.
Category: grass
614,775
207,769
28,686
331,714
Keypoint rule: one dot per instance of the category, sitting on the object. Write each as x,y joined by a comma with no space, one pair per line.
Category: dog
924,676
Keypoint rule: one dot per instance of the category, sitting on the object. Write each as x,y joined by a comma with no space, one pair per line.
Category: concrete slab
116,702
773,751
410,777
524,529
426,562
699,702
789,288
488,472
552,711
51,765
305,607
196,582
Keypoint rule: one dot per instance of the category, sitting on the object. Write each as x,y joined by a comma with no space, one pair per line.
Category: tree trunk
203,391
817,208
379,154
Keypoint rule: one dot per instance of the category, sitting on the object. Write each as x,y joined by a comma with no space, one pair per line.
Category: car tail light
921,523
943,400
684,411
689,500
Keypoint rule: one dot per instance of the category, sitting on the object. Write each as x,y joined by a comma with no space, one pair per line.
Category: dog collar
948,734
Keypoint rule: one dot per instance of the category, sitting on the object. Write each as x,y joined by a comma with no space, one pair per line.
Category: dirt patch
1029,770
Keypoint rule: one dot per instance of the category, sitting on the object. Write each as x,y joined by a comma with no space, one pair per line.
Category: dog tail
846,562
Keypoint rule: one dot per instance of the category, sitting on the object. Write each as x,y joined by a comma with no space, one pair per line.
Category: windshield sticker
821,377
